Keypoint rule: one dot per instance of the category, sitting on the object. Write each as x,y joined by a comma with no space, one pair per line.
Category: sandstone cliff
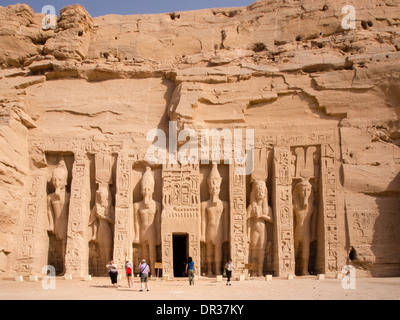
279,66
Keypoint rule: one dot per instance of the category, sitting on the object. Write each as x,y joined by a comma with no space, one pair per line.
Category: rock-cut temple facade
83,104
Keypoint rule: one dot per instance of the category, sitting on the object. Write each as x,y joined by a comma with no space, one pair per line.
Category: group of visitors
145,270
190,271
144,274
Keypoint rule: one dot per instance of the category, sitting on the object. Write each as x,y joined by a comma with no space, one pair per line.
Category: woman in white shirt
113,272
229,267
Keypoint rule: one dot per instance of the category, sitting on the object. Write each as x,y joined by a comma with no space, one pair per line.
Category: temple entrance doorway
180,251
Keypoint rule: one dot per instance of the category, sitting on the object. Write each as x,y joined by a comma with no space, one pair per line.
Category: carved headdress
103,169
148,179
147,183
258,182
214,180
61,171
215,177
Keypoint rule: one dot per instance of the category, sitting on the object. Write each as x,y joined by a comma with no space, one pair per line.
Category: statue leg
262,244
252,254
209,258
218,259
105,240
305,257
257,255
63,253
152,256
145,249
297,252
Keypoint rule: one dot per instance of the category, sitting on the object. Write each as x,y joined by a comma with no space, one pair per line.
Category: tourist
129,272
229,267
144,275
190,270
113,272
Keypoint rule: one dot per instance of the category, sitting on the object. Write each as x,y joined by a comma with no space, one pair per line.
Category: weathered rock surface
284,68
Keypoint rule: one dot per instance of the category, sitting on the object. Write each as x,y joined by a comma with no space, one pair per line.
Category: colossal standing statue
304,221
102,215
147,219
102,219
259,213
58,206
214,222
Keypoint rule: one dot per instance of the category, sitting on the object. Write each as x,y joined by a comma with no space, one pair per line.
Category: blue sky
126,7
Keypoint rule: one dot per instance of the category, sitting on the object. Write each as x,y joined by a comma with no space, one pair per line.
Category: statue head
103,195
260,190
147,185
214,183
60,175
302,193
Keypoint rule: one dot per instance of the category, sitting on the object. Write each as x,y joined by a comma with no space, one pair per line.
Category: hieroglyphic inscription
368,227
239,249
76,145
167,252
29,229
284,246
329,199
123,234
77,252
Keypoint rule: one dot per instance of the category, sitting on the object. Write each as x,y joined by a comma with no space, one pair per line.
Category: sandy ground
205,289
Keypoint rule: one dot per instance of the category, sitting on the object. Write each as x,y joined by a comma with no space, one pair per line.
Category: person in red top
129,272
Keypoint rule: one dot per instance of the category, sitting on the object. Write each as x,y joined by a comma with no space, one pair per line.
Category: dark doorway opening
180,249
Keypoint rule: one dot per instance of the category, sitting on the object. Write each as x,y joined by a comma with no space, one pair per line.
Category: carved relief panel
329,206
71,194
306,195
77,252
180,217
123,230
259,217
305,201
238,221
33,240
282,203
102,215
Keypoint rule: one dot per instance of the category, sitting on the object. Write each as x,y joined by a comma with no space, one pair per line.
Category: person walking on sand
190,270
229,267
144,275
113,272
129,272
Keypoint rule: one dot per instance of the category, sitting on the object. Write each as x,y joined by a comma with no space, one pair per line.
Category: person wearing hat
144,275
